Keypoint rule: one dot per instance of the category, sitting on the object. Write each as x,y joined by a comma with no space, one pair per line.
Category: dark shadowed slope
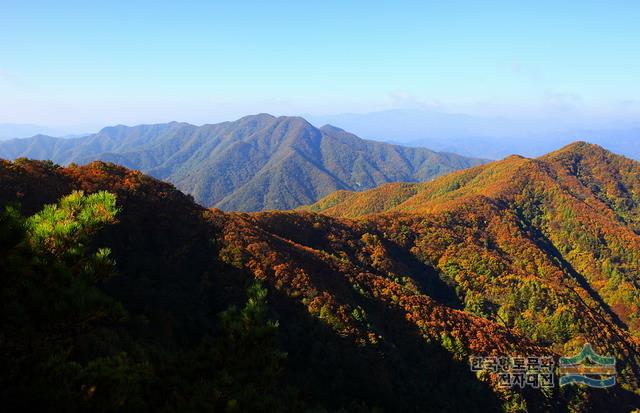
255,163
519,257
179,264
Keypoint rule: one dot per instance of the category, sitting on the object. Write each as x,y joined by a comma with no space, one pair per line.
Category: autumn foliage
387,292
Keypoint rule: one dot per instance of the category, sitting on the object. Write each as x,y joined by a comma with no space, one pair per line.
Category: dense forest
256,163
121,294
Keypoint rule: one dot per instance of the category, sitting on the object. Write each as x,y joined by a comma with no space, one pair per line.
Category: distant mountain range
484,137
25,130
22,130
256,163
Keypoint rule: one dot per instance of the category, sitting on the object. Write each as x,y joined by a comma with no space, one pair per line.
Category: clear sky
104,62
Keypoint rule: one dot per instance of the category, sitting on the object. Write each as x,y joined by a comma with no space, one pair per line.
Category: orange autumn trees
382,295
548,247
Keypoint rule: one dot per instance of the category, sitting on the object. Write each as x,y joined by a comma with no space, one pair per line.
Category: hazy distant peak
122,131
294,120
17,130
114,128
260,117
483,137
331,129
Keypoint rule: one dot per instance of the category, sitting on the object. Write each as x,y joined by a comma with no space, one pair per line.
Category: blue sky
95,63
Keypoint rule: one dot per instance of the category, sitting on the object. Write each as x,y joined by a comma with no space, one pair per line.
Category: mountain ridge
257,162
508,169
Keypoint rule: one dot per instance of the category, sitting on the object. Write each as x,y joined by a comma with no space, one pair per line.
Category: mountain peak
580,147
330,128
108,129
254,163
257,117
582,150
294,120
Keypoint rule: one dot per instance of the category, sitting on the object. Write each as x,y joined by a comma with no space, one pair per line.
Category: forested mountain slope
518,257
548,246
255,163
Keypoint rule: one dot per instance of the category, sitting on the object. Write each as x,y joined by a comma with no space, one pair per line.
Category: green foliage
476,304
232,255
63,229
51,302
327,315
453,345
67,346
248,360
514,403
